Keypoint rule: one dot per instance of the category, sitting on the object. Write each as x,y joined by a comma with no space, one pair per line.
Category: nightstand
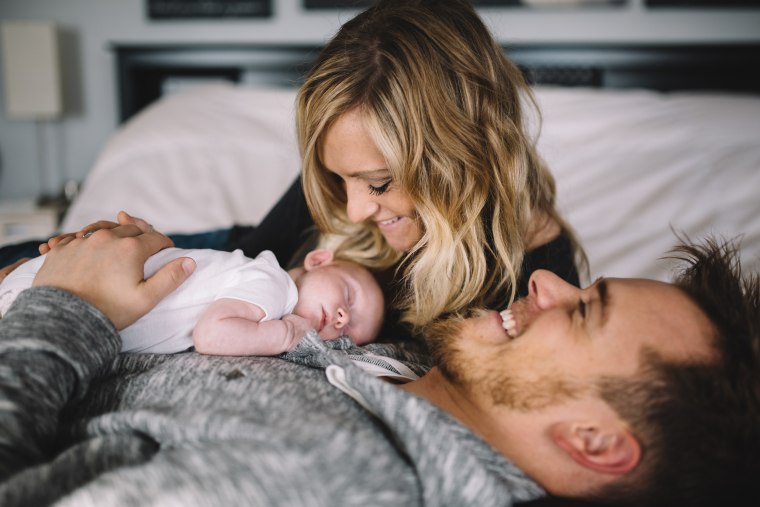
23,219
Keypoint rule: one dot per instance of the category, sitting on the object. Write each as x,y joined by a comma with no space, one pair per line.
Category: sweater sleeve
51,346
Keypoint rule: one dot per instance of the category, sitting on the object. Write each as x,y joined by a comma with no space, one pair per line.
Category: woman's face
348,152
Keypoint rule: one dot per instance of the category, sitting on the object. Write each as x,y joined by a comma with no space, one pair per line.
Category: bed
644,142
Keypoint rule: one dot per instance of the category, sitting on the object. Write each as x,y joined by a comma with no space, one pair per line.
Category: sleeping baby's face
340,298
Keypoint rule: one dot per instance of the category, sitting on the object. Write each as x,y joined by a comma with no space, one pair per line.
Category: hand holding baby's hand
107,269
122,218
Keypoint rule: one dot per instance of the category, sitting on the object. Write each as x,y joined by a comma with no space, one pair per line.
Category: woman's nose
551,291
342,318
359,204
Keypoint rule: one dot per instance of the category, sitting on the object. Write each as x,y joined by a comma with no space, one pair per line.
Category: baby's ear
318,257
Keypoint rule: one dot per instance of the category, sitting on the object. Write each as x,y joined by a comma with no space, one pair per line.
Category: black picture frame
361,4
159,10
703,3
336,4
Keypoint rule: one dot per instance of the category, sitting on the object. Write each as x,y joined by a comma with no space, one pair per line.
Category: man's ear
605,448
318,257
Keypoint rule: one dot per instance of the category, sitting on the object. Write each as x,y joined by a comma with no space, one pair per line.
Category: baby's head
338,297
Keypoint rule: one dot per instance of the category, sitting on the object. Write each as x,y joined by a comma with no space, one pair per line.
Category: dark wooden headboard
142,70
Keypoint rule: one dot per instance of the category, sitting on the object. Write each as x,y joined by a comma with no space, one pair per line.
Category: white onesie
168,327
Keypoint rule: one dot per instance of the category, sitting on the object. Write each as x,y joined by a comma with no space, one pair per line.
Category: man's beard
505,377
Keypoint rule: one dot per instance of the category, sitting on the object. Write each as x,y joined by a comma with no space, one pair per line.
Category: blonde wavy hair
445,108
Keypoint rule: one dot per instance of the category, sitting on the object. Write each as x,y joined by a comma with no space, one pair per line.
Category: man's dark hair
699,423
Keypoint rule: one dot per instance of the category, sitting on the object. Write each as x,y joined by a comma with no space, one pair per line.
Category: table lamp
32,82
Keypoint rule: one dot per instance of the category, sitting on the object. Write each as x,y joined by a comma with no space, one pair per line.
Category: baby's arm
231,327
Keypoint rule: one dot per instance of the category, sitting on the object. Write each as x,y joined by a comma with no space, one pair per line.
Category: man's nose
551,291
342,318
359,204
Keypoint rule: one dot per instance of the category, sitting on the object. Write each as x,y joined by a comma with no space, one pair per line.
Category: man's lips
519,316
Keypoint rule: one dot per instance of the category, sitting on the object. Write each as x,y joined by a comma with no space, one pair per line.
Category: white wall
90,26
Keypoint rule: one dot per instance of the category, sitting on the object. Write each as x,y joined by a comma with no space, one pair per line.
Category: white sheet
630,165
633,165
196,160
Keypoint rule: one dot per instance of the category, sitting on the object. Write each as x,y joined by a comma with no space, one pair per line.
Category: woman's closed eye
379,189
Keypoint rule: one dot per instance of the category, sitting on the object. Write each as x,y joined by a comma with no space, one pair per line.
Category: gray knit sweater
81,424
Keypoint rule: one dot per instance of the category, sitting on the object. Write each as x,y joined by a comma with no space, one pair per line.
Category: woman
417,164
415,157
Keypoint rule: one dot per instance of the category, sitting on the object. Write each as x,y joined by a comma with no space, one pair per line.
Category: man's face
562,339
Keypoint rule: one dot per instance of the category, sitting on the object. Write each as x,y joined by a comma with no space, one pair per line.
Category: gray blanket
81,424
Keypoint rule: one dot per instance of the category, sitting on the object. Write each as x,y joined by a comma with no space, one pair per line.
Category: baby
234,305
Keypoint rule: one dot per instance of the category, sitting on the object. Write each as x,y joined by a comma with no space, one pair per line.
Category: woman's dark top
289,232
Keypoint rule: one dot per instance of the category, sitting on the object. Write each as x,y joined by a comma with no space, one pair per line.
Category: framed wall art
703,3
203,9
348,4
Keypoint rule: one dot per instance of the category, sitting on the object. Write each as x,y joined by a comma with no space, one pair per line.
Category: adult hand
107,269
10,267
123,218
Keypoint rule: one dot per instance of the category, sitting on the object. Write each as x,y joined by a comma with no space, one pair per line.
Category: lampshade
31,69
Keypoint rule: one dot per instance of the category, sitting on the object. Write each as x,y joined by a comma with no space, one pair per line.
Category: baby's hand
300,327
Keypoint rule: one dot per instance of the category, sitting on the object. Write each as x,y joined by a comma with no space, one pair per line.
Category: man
631,392
571,392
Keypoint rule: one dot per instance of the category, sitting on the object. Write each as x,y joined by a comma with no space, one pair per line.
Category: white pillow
200,159
631,165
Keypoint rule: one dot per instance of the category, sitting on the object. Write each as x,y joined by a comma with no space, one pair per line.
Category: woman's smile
389,222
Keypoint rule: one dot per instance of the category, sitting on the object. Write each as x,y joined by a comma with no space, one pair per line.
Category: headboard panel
662,68
143,71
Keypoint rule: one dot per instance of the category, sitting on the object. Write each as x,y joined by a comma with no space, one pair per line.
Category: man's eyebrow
604,298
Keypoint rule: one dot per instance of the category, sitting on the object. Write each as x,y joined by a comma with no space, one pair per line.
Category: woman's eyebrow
371,174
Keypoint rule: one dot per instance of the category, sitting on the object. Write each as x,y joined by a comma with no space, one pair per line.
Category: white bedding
196,160
630,166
